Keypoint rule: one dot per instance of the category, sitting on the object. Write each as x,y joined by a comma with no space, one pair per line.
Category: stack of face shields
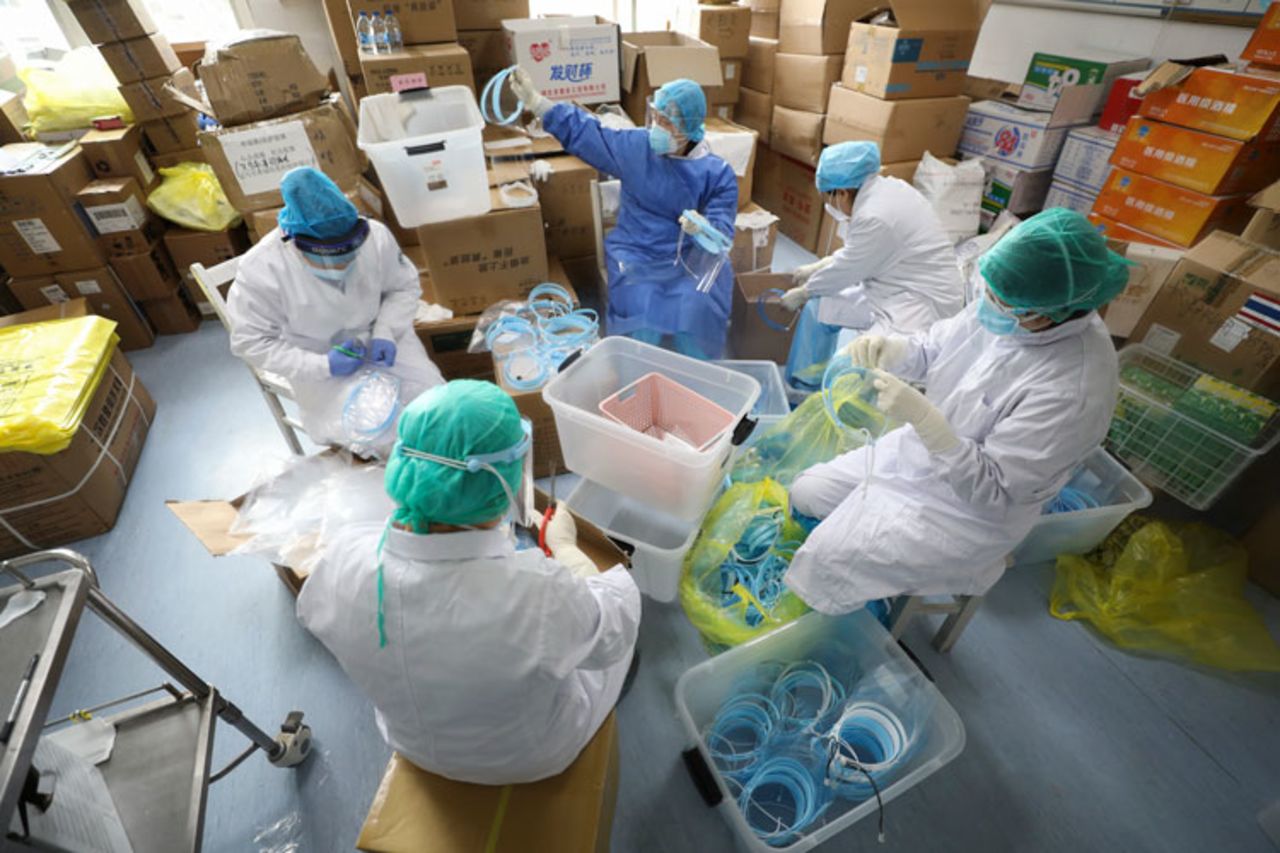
48,374
704,253
531,339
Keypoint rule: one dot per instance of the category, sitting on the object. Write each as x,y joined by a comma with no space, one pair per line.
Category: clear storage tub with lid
427,149
678,480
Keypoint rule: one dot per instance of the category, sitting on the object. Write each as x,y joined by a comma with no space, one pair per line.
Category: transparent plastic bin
1118,492
773,402
663,408
1168,449
428,152
681,481
660,541
850,647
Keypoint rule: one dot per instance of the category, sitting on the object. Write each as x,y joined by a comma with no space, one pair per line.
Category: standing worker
486,664
323,294
897,271
665,171
1021,387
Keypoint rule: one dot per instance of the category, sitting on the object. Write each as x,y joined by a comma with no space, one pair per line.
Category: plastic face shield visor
336,254
703,254
654,117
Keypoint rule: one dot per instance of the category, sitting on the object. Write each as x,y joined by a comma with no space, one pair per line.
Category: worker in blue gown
666,169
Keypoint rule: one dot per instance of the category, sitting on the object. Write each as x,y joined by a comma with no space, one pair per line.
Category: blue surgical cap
847,165
314,206
690,113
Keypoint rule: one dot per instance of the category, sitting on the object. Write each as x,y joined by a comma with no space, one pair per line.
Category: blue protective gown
650,296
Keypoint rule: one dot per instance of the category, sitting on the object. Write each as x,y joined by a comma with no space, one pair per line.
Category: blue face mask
995,321
661,141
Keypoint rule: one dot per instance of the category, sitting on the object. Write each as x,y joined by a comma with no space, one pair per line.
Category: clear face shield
665,135
330,260
703,253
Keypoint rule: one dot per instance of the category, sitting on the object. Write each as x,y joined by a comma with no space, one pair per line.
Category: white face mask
836,213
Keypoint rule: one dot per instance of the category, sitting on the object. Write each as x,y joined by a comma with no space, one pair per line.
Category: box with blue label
912,49
1012,188
1050,77
1000,131
1085,159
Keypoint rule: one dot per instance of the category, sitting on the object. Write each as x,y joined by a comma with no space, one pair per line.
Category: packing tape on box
103,451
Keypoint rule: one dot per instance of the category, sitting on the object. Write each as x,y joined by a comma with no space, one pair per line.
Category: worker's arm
722,207
869,244
583,136
591,623
401,291
909,356
257,335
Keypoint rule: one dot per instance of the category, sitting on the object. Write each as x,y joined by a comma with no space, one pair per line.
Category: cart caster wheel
295,738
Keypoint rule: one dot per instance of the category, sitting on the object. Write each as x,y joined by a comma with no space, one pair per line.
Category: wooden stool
418,812
959,609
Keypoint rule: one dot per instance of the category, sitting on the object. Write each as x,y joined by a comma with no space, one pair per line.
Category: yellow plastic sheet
48,373
69,96
1173,591
191,196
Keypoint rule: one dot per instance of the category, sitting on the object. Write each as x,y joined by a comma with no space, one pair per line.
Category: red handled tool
547,515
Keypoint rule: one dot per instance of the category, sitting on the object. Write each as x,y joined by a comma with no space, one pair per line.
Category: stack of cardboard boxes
431,50
726,28
1263,51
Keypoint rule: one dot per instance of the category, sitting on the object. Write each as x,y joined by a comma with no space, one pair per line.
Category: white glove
901,402
803,273
689,226
877,351
562,539
524,88
795,298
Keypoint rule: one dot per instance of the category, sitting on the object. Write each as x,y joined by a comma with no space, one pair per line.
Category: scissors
547,515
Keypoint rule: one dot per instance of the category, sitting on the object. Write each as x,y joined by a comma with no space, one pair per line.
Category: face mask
661,141
995,321
836,213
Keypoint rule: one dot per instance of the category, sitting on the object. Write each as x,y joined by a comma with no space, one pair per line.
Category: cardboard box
755,110
41,229
1020,191
654,58
803,81
923,51
758,71
1209,164
1163,210
421,21
147,275
904,130
570,58
1122,103
118,211
487,50
724,112
798,134
50,500
187,155
1264,227
736,145
1113,230
342,32
250,160
155,98
140,58
112,20
446,344
187,247
260,74
175,314
817,26
488,14
799,204
1151,268
100,290
765,24
13,118
565,199
725,27
1070,196
1049,75
1215,101
755,233
443,65
1218,312
173,134
1264,46
749,336
1085,158
1002,131
727,92
118,154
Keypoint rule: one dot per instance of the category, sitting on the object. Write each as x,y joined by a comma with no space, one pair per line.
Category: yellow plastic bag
69,96
191,196
48,373
1169,591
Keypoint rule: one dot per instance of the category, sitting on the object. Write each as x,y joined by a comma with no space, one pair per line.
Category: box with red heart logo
570,58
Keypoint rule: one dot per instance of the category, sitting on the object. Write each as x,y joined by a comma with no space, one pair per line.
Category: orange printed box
1264,47
1234,105
1113,230
1169,212
1209,164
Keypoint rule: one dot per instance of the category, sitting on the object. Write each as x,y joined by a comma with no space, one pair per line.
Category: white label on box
860,74
128,215
1162,339
1230,335
37,236
730,69
55,294
144,169
435,174
88,287
260,156
371,198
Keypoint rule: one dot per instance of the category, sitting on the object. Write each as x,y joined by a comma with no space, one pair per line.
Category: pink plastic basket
659,407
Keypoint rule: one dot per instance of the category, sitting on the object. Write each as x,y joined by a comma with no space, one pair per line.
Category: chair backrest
211,281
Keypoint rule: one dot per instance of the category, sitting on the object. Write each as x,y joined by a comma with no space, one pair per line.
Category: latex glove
877,351
803,273
688,226
523,86
901,402
346,358
562,539
383,352
795,298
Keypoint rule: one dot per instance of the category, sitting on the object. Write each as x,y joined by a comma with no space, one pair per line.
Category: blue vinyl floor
1072,745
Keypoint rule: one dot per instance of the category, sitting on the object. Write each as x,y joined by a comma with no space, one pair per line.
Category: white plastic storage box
1164,444
859,653
669,476
773,401
1118,494
660,541
428,152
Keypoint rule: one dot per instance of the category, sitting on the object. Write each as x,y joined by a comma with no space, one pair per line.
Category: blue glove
345,358
383,351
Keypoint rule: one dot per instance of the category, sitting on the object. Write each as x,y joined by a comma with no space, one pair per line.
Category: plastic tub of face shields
858,655
660,541
773,400
1117,492
672,476
428,152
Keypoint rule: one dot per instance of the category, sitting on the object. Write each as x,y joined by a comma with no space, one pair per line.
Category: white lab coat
500,665
1027,410
897,271
284,319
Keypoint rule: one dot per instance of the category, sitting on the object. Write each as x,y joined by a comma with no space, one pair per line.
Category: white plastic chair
274,388
605,199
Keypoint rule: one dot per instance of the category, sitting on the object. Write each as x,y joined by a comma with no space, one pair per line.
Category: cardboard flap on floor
211,522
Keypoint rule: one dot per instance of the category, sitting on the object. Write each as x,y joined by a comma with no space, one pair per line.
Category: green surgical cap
456,420
1055,263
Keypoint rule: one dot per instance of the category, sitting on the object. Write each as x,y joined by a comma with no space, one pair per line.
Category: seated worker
897,271
665,170
486,664
1021,387
323,294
